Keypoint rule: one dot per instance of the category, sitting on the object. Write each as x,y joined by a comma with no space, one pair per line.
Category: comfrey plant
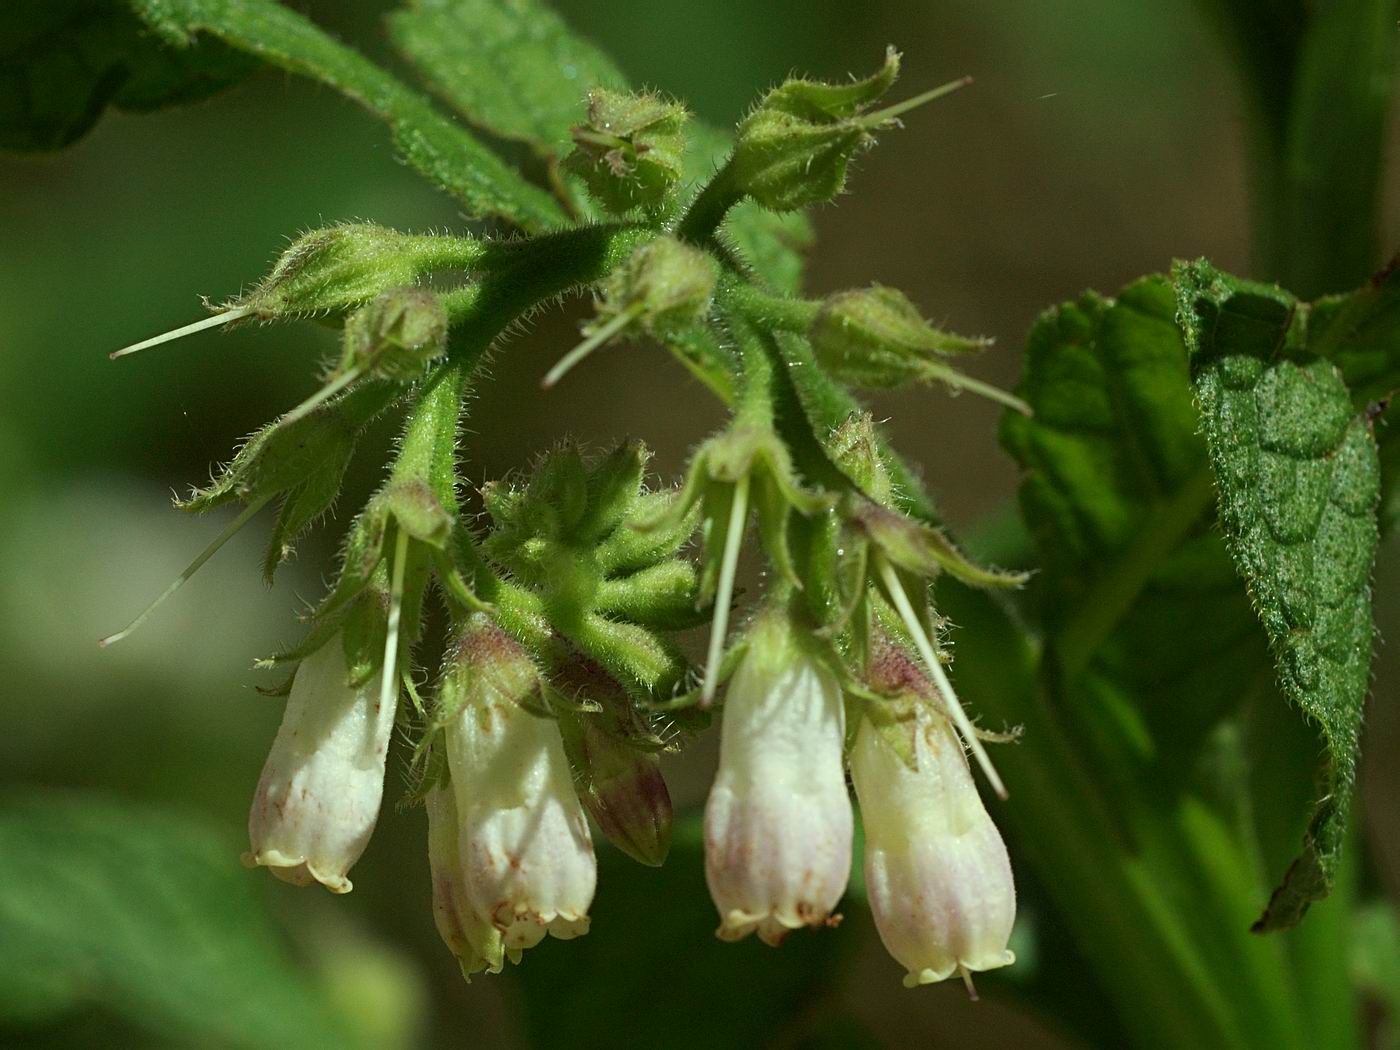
1208,467
565,678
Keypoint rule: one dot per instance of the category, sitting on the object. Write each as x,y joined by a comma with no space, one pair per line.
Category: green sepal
854,447
321,633
415,508
364,628
819,102
312,451
396,335
739,452
630,150
665,285
920,548
301,508
364,550
794,148
614,488
459,570
338,268
530,521
876,338
646,662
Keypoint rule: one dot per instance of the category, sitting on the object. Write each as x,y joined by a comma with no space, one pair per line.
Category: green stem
710,206
776,311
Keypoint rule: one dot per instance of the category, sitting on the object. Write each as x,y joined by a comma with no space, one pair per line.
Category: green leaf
145,914
1298,478
62,62
512,66
1360,333
1156,711
442,150
1150,632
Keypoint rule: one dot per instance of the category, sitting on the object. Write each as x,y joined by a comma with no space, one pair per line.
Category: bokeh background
1101,140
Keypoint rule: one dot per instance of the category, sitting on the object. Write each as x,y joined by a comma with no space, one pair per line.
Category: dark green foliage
511,66
443,151
1298,479
1145,620
62,62
139,911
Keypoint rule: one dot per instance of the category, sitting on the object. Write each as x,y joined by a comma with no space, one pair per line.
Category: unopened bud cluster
568,673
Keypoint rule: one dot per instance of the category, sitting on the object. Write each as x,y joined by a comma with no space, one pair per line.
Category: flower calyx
338,268
396,335
744,466
663,287
794,148
630,150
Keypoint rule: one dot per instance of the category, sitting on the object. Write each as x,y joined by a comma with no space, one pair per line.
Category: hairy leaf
143,913
62,62
1298,478
512,66
1146,622
1360,332
443,151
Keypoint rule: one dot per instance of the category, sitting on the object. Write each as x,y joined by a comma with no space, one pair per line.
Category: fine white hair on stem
940,679
724,593
226,317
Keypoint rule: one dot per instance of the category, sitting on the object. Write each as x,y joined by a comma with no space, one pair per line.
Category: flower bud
875,337
526,850
630,151
318,798
794,148
665,283
936,869
339,267
396,334
474,941
617,770
778,822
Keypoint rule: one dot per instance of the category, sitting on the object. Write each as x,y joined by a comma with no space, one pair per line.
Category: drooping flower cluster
778,825
567,673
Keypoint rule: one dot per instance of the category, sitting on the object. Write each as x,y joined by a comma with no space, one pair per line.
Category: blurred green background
1101,140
